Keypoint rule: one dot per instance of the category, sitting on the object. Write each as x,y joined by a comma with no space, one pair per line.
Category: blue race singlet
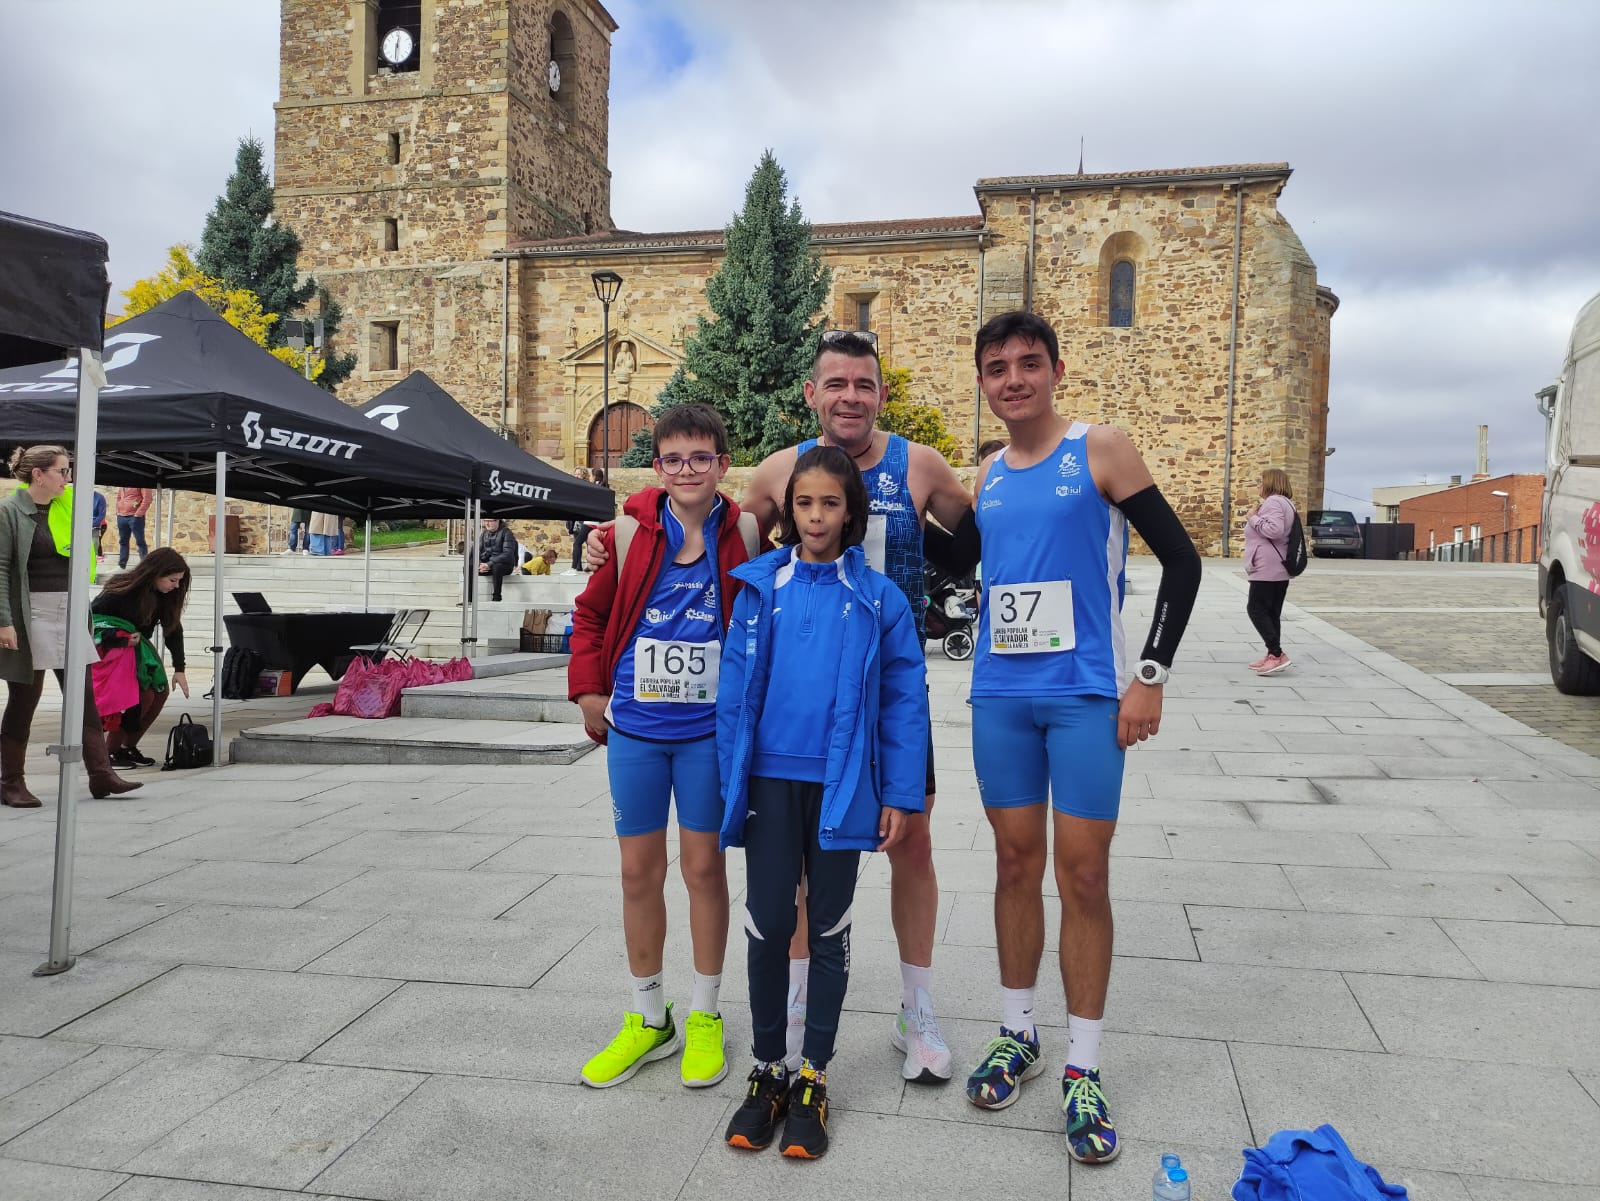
894,534
665,686
1054,554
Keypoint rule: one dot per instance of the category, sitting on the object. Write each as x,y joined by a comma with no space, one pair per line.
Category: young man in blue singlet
906,482
1053,710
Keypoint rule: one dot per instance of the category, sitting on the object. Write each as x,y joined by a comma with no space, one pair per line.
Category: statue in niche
572,332
677,332
625,365
622,311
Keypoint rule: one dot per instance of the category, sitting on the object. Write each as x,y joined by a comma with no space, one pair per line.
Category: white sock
704,997
1083,1041
1016,1010
799,975
912,978
649,999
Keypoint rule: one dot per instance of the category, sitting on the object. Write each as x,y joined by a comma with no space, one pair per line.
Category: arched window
1122,281
564,61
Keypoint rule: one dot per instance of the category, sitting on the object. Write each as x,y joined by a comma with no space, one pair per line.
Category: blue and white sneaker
1007,1061
1091,1137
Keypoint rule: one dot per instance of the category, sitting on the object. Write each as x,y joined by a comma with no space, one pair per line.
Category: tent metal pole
172,506
91,377
477,592
366,568
216,609
469,554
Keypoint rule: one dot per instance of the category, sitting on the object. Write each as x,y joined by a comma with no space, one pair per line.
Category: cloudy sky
1446,154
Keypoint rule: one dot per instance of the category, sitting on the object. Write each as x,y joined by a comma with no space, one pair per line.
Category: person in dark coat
497,553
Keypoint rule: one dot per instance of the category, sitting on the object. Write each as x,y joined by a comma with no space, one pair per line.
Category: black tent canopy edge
53,290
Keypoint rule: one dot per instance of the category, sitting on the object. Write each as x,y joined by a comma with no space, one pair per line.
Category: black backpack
1294,562
188,745
240,668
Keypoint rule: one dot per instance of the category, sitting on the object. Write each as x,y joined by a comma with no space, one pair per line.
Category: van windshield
1332,517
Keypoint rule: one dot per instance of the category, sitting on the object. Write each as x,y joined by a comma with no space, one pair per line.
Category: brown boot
103,781
13,788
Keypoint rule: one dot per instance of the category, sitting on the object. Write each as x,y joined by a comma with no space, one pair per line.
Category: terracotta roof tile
627,239
1174,174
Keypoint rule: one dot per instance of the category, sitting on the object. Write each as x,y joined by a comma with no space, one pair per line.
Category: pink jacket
1266,539
133,502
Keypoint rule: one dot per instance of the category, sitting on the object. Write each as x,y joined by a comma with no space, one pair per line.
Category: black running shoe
137,758
754,1122
805,1134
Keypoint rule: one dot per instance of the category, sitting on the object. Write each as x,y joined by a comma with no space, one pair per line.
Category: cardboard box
275,683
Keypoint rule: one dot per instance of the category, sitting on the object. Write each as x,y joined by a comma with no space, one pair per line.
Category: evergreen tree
749,360
243,246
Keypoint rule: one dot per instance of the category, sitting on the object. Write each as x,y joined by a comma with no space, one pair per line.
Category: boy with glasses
647,640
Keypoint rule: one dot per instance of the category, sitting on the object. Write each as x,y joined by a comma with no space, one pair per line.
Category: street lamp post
606,286
1505,524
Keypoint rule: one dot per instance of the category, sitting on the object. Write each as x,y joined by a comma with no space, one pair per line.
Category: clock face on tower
397,47
553,74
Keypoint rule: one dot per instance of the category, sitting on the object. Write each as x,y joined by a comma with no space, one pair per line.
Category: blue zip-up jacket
877,751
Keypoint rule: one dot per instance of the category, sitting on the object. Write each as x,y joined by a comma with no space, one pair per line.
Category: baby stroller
952,610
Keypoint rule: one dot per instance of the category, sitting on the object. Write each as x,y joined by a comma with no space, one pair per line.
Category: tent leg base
54,967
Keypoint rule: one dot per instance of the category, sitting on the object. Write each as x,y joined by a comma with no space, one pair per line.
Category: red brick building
1473,513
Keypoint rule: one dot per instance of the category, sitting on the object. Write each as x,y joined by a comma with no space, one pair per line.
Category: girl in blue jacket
822,714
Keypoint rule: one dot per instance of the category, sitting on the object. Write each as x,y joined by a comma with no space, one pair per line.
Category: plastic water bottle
1172,1182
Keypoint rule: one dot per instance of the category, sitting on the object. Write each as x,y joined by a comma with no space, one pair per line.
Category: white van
1569,559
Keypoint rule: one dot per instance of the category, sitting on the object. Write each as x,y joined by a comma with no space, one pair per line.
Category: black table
297,642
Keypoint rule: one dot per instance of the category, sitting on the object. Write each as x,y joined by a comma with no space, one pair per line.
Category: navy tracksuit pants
781,847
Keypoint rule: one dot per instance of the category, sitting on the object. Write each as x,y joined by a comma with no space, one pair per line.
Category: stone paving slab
1310,872
47,1182
114,1124
231,1011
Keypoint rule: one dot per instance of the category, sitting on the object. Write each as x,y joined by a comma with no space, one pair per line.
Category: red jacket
607,612
133,502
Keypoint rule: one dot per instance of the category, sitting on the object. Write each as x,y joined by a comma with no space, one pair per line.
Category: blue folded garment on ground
1309,1165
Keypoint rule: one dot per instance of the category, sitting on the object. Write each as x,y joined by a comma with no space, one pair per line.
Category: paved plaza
1353,894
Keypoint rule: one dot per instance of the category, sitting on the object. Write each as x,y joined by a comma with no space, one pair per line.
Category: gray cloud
1446,154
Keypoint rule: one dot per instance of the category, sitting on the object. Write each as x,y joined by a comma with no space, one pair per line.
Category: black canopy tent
506,481
509,481
53,291
190,403
182,386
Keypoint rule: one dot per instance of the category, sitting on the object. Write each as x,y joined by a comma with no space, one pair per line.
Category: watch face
553,74
397,47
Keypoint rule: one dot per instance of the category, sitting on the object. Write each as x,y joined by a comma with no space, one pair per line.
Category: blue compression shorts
1060,747
644,775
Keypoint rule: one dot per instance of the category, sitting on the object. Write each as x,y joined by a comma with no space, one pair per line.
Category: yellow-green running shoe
704,1063
635,1045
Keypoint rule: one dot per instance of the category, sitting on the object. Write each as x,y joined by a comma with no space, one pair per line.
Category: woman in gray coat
35,540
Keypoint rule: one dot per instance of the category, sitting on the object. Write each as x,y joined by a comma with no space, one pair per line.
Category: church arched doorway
626,419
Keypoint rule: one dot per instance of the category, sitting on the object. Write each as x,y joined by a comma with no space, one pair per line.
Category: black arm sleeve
1150,514
955,552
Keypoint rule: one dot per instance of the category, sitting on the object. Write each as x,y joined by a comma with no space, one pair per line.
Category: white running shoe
916,1032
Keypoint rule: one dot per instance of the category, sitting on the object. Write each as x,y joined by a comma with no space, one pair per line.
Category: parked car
1569,559
1333,532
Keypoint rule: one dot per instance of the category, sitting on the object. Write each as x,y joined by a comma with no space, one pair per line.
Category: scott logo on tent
257,435
127,351
500,487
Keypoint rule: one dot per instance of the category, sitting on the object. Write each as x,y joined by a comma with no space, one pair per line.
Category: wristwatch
1150,672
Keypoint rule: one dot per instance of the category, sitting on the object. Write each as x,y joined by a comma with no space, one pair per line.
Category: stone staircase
515,712
418,578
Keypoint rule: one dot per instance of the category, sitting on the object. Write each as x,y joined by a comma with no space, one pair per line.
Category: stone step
527,697
420,741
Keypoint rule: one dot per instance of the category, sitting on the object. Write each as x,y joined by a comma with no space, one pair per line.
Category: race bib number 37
1031,618
682,672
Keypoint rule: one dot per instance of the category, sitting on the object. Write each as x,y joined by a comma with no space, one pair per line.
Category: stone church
445,165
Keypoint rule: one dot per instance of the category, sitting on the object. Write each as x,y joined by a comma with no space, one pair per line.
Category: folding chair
402,636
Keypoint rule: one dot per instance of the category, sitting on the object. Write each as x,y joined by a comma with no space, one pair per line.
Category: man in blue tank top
905,482
1053,710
